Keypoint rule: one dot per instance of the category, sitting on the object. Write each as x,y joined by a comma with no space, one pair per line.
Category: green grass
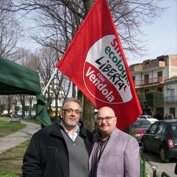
2,174
33,121
11,161
143,172
7,128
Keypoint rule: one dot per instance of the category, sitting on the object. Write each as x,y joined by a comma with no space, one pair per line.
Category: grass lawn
11,161
7,128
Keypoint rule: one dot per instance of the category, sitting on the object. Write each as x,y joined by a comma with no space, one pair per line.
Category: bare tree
58,20
22,99
44,61
60,85
10,31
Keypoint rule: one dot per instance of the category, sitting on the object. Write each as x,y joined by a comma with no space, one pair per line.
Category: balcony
147,65
149,81
153,64
170,99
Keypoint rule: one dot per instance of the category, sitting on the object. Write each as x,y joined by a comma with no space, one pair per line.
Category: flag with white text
96,64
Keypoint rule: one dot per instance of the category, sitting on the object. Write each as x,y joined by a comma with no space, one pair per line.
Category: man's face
106,120
71,114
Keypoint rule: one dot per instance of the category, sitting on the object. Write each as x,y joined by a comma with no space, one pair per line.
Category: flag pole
55,71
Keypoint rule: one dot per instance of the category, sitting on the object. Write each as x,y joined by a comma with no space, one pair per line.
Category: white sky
162,34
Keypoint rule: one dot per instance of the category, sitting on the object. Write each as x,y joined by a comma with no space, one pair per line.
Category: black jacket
175,169
47,153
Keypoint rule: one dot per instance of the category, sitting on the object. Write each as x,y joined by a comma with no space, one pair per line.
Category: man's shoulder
45,130
123,134
124,139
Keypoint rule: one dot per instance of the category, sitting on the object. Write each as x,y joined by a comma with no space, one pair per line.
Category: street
154,160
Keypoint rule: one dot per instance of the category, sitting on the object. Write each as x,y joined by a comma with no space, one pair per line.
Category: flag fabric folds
95,62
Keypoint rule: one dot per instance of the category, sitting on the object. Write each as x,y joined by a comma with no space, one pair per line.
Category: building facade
157,75
170,96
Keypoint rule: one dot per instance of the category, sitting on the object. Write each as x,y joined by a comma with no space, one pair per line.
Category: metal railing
164,174
144,172
170,99
149,81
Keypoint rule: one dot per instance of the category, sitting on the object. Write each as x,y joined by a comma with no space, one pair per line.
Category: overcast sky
162,34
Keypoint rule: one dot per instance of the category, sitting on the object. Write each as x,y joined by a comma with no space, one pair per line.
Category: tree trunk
9,104
88,116
23,106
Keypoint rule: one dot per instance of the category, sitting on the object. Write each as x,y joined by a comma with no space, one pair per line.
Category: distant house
160,75
170,96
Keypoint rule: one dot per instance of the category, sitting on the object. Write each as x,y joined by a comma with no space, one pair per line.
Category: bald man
114,153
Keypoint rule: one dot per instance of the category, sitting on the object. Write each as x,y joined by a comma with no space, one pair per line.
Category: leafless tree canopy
10,31
53,24
56,21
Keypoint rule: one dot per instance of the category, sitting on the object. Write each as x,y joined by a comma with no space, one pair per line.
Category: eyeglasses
107,118
76,111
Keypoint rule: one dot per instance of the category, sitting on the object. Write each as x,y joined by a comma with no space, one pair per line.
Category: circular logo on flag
104,72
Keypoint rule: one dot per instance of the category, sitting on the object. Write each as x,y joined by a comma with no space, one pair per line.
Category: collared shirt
97,152
75,134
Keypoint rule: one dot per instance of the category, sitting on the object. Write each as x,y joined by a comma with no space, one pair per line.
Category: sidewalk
149,169
19,137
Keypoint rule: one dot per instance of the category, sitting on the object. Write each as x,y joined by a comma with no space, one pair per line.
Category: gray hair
72,100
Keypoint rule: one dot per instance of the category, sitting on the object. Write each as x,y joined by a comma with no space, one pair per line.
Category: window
133,78
159,75
146,78
172,95
153,129
159,128
159,89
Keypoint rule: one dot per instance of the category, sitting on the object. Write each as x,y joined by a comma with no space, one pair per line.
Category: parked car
161,138
149,118
140,126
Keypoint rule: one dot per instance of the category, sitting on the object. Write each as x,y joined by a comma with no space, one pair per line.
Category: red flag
96,64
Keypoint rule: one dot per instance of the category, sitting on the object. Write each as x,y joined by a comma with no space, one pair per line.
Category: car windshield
146,116
142,116
141,124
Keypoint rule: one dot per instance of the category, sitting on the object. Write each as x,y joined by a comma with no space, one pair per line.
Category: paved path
19,137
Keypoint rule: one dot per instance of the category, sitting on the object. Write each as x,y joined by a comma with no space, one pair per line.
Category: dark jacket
175,169
47,153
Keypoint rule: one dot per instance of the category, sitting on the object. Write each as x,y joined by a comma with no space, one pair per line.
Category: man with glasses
114,153
61,149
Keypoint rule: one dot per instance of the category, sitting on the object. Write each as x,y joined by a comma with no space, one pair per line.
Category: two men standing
63,149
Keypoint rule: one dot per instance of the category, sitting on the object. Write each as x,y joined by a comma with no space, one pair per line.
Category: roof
168,120
17,79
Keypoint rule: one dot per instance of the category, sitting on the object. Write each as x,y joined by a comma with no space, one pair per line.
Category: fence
164,175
